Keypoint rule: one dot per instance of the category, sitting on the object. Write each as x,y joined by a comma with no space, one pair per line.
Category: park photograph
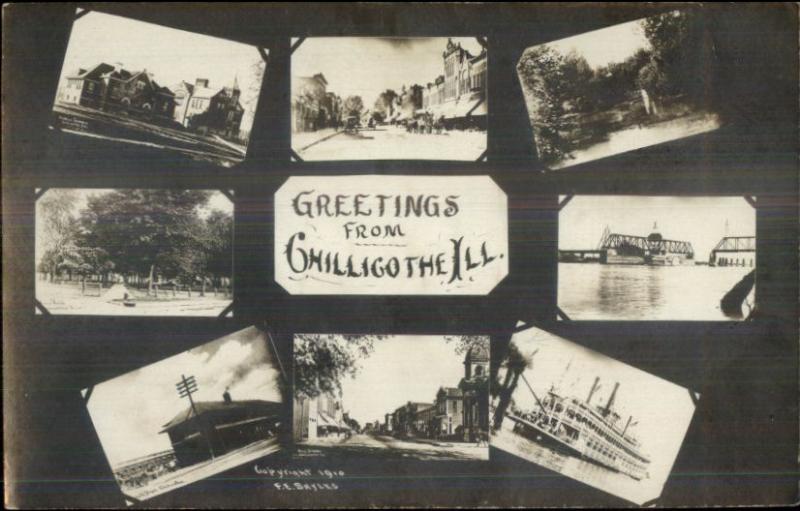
129,83
618,89
133,252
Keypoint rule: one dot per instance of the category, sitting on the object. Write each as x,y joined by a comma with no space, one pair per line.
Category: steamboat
590,432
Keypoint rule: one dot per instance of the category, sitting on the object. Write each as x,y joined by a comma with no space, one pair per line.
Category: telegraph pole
186,387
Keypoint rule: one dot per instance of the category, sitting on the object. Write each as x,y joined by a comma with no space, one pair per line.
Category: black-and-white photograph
657,258
587,416
128,82
392,397
134,252
190,416
617,89
382,98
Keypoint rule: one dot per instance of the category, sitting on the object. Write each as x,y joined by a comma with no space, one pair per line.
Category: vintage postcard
389,98
190,416
588,417
134,252
656,258
618,89
128,82
394,397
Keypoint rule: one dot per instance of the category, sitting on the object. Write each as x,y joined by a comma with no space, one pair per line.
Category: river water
593,291
589,473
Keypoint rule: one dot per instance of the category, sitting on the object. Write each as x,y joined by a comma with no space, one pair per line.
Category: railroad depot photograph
380,98
657,258
620,88
190,416
391,397
588,417
134,252
128,82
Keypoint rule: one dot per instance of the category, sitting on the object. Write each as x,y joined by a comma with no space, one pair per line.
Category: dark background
742,445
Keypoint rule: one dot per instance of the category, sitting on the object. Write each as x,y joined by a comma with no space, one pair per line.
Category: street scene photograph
618,89
657,258
391,398
190,416
134,252
161,89
384,98
588,417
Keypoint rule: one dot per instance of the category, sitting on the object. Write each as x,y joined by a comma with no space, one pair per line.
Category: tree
257,69
578,76
145,232
322,361
679,51
218,246
541,71
353,105
385,104
59,229
465,342
516,363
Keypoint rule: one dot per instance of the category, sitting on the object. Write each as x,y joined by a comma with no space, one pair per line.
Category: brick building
206,109
111,88
457,97
313,107
316,417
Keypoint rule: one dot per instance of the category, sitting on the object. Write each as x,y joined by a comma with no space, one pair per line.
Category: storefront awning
479,109
326,420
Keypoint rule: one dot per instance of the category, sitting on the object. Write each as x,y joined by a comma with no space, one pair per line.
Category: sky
218,201
367,66
662,422
171,55
129,411
604,46
699,220
401,369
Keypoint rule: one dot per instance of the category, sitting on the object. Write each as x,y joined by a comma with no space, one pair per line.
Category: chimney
226,396
594,388
611,399
201,82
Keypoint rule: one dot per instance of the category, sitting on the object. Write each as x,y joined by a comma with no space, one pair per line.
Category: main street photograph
588,417
657,258
617,89
190,416
134,252
160,89
391,397
382,98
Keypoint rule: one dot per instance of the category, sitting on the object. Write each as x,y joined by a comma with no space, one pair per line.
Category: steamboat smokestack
593,390
630,417
611,399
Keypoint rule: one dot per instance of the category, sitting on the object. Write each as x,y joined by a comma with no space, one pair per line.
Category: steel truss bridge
731,245
639,245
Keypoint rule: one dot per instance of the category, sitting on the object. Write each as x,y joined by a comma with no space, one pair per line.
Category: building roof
206,92
186,85
211,407
93,73
103,71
